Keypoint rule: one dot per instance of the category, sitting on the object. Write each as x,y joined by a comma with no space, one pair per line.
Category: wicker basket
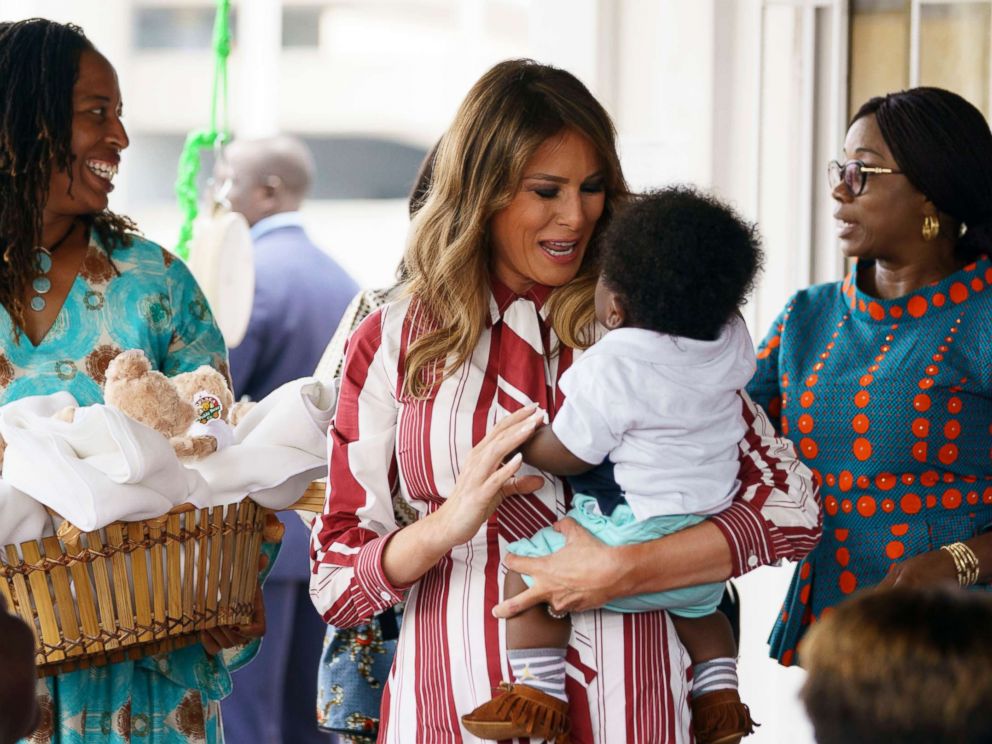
135,588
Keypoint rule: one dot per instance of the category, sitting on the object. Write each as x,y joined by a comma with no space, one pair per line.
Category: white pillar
254,70
665,89
578,36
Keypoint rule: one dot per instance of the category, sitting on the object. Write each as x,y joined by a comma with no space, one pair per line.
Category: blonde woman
441,386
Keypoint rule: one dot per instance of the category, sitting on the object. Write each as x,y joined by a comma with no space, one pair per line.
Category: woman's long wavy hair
507,115
39,66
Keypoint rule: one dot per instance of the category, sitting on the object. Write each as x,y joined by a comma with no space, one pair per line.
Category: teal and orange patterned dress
141,297
889,402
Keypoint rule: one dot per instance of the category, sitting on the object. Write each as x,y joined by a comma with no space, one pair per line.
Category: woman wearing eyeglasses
884,380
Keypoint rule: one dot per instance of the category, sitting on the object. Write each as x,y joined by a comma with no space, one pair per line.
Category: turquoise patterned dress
889,402
144,298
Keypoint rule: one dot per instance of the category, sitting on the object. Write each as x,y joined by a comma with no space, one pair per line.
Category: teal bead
44,262
37,304
42,284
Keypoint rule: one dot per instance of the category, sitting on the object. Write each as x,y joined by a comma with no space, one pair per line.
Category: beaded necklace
42,285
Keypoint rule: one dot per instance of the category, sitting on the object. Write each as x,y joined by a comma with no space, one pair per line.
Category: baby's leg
535,643
536,706
710,642
718,715
706,638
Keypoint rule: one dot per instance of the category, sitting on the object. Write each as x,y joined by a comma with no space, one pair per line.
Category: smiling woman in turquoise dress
66,309
884,380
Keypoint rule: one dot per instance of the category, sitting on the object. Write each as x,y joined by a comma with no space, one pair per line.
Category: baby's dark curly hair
681,261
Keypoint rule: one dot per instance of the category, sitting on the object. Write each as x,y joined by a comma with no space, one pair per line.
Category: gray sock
540,668
715,674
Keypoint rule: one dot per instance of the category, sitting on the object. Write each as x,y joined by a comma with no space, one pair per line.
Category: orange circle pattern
848,582
862,492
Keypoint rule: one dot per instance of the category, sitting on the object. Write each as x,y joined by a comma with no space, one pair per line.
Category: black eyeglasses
854,174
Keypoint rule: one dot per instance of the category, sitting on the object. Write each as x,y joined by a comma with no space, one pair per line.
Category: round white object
222,261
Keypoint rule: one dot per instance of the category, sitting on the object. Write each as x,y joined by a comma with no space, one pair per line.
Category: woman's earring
931,226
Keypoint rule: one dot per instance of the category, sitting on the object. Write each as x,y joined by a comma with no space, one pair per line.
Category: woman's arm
194,337
775,515
938,566
765,387
362,563
479,489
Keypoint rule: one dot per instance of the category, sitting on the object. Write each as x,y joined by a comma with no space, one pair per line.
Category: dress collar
502,297
948,292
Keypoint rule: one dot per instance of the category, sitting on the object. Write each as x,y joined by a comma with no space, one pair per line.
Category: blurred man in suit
300,296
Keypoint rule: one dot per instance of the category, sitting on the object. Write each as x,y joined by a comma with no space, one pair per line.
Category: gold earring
931,226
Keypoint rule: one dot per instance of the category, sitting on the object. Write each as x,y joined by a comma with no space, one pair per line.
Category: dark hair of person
39,66
681,261
901,665
943,145
422,182
418,197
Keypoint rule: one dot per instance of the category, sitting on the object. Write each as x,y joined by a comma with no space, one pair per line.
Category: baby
648,437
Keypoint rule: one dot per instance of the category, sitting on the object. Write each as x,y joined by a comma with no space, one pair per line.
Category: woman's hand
585,574
229,636
481,485
927,569
486,479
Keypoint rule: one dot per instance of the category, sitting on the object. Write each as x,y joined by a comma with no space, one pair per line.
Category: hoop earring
931,226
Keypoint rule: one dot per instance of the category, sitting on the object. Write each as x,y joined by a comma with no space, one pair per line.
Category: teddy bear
190,410
146,395
212,401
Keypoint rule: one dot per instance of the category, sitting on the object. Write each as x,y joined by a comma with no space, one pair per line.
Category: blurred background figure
902,665
300,291
19,713
300,296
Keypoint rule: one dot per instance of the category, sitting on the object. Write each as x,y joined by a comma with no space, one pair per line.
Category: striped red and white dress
628,675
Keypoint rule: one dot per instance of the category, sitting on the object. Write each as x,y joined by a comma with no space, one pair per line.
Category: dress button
752,560
385,595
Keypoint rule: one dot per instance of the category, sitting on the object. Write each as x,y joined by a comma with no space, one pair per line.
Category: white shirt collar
274,222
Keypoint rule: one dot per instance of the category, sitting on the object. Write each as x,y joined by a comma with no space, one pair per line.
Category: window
301,26
896,44
189,27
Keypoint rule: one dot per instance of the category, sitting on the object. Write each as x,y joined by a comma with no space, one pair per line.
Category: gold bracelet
965,561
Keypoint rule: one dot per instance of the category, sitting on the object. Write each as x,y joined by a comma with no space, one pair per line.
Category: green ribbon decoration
201,139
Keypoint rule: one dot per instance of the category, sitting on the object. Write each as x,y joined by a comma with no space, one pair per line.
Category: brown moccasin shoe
519,710
719,717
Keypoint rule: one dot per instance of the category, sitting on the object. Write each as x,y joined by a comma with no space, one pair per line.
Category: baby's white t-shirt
666,412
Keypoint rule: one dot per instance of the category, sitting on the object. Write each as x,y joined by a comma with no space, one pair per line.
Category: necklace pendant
38,303
44,261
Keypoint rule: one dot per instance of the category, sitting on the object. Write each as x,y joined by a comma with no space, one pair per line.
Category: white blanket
104,466
279,447
21,517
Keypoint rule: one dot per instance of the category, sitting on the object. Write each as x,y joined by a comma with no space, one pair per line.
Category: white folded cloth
279,447
22,518
102,467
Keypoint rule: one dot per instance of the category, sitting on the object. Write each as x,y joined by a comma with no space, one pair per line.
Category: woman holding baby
438,391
